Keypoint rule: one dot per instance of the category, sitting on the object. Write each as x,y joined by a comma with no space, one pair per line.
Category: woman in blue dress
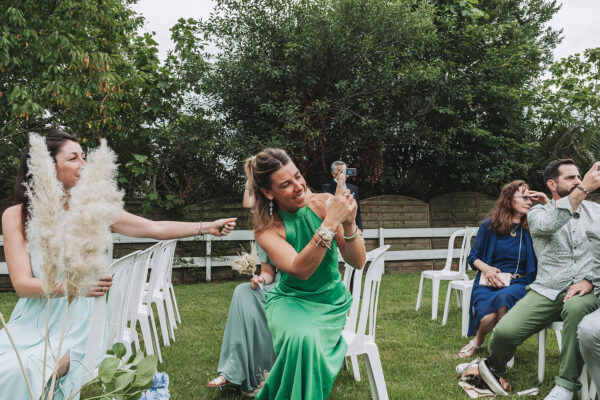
502,245
36,326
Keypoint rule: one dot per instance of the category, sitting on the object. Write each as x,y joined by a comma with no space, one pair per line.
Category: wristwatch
589,278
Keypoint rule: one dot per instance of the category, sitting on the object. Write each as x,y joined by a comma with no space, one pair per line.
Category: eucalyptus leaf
108,368
145,371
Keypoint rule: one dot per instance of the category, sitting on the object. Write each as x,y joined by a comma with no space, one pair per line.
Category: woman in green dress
306,310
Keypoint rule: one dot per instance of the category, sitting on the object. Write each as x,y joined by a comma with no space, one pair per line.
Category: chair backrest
160,267
171,244
105,315
118,297
465,249
138,281
348,269
460,233
367,303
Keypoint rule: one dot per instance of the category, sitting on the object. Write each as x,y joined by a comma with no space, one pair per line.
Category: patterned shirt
561,245
593,234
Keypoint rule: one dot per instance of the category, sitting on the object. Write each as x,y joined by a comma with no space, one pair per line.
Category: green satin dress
306,318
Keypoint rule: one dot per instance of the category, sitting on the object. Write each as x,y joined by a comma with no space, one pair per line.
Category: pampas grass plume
94,205
46,207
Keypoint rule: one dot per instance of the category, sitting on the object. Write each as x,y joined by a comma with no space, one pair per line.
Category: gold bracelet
351,237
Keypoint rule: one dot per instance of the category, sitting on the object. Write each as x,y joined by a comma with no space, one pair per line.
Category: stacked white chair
353,313
169,284
587,392
109,315
157,292
463,288
359,339
446,274
139,311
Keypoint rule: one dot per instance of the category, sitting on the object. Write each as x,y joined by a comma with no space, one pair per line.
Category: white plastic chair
108,315
446,274
463,289
118,297
463,293
353,313
361,341
170,289
586,392
138,310
157,292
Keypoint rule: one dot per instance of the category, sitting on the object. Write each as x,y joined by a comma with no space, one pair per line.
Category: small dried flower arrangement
246,262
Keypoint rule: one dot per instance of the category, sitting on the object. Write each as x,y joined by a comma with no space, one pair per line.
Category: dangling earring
271,208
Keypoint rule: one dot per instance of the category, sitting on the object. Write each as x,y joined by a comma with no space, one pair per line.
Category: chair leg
420,293
541,354
466,301
447,305
355,370
162,318
147,335
511,363
584,391
434,298
458,299
174,300
375,373
170,313
155,341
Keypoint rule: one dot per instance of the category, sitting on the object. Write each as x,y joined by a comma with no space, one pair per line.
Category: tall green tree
422,97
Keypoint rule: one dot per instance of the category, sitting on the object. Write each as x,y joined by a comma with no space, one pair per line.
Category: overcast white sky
577,18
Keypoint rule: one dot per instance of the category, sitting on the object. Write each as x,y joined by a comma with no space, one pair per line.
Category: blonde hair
259,169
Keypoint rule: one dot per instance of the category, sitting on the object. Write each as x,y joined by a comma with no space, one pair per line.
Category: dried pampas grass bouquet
73,243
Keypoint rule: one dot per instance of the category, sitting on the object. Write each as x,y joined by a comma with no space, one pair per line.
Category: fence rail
380,234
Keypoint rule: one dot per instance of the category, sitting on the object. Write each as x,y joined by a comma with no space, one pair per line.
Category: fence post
208,262
381,238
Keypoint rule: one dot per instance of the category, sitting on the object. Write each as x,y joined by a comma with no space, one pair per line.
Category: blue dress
502,252
27,326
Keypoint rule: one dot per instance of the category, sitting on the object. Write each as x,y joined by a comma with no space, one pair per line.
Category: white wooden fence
380,234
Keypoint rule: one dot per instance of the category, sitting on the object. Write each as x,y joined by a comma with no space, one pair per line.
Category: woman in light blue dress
32,316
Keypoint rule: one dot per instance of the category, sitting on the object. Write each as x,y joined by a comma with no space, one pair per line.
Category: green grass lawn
418,355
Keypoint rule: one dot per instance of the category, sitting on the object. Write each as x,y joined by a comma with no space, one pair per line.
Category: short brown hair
552,169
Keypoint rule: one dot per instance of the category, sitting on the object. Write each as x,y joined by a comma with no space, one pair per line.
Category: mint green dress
247,348
306,318
27,326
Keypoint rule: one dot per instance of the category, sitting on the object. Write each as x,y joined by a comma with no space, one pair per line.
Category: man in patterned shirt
563,287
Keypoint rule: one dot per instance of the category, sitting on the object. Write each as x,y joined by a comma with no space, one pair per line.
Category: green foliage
569,109
401,90
124,379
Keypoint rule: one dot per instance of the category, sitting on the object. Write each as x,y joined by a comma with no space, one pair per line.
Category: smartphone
352,171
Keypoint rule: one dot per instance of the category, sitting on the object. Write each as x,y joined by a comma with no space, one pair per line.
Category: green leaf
119,350
108,368
145,371
124,380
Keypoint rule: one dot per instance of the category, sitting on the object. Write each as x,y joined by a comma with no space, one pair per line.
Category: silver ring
347,195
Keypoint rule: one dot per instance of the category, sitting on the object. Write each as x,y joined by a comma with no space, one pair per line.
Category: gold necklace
513,233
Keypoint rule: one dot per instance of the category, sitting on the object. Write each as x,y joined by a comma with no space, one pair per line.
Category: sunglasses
527,198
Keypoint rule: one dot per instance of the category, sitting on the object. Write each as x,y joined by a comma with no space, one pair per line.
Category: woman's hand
338,208
257,281
102,286
220,227
491,276
538,197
